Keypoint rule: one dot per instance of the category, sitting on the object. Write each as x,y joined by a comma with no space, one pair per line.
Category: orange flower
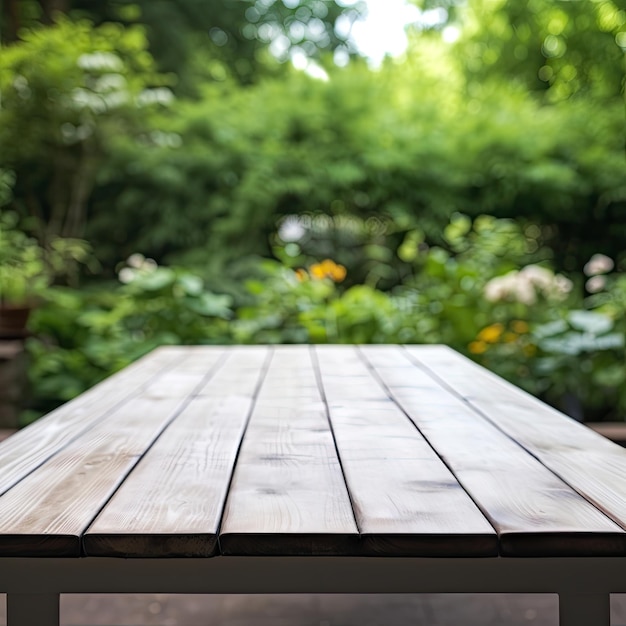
301,275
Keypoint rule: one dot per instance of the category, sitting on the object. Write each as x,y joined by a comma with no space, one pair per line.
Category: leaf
378,253
211,305
590,322
609,342
550,329
192,285
255,287
155,281
611,376
574,343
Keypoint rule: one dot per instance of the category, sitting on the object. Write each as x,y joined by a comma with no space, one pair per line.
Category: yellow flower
519,326
301,275
328,269
339,273
491,334
317,271
477,347
328,266
509,337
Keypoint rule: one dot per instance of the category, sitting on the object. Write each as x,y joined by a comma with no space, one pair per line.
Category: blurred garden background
237,171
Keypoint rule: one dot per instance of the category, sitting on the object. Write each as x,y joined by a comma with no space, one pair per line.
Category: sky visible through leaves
382,31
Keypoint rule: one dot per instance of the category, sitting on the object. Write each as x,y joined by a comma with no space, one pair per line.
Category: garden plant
239,174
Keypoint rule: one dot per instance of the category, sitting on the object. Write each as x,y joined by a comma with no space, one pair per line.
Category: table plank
30,447
171,503
407,502
357,451
288,496
46,513
535,513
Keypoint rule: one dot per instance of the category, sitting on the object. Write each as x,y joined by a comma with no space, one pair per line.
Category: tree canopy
195,38
520,116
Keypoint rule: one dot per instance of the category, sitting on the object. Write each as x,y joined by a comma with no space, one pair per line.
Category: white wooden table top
301,450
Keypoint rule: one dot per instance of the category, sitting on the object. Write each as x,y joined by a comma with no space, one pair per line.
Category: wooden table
310,469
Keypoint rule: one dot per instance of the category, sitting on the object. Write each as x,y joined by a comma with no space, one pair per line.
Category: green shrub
68,90
489,293
83,336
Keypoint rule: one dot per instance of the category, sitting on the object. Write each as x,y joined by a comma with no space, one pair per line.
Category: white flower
291,229
595,284
135,260
562,285
126,275
498,288
598,264
538,276
524,291
524,286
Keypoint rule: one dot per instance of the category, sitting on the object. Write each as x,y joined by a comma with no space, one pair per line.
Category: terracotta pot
13,320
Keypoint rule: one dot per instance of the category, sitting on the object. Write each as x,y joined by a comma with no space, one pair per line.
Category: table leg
584,609
30,609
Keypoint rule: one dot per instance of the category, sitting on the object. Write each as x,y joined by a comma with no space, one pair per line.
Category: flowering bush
595,268
571,351
527,284
482,295
326,269
82,336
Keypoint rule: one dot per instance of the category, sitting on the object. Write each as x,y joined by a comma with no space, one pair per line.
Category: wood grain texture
171,503
406,500
45,513
149,455
591,464
535,513
33,445
288,496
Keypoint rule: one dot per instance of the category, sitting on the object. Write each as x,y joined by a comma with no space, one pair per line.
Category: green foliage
366,246
27,269
451,281
235,172
575,361
83,336
562,49
483,293
208,179
200,40
442,300
22,264
487,292
67,90
389,173
238,35
360,144
285,308
572,355
310,306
